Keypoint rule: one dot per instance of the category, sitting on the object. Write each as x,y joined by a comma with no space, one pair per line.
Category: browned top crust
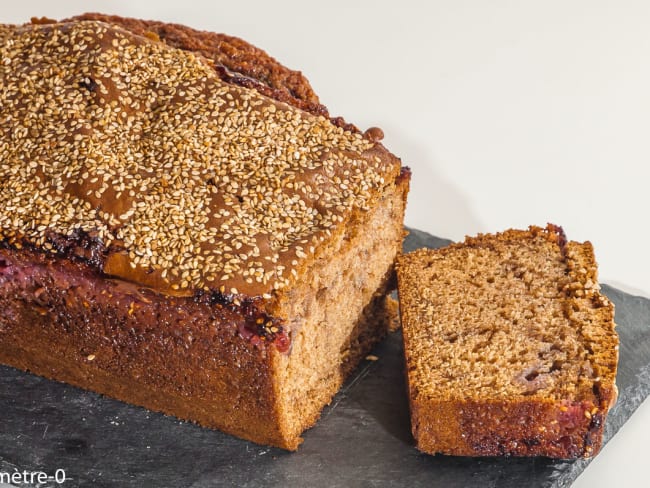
236,60
138,157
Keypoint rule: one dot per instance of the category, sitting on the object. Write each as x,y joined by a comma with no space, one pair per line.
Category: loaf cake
184,227
510,348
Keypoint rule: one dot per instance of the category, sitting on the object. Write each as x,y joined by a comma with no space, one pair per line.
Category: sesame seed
202,181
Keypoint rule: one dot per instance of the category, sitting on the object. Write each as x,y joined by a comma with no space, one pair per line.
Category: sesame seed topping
195,181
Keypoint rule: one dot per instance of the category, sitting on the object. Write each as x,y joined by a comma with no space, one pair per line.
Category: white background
509,113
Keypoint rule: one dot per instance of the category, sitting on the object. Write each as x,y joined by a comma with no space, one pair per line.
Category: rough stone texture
363,438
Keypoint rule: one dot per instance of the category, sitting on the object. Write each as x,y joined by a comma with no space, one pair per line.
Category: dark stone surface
362,439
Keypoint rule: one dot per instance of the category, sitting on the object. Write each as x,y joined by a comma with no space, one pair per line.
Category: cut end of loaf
338,314
510,347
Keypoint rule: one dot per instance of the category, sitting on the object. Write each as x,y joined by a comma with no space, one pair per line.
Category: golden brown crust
513,428
245,64
181,182
558,409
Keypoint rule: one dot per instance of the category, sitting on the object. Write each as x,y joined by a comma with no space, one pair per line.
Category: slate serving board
362,439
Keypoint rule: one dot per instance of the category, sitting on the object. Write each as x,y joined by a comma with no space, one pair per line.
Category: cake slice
183,227
510,348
